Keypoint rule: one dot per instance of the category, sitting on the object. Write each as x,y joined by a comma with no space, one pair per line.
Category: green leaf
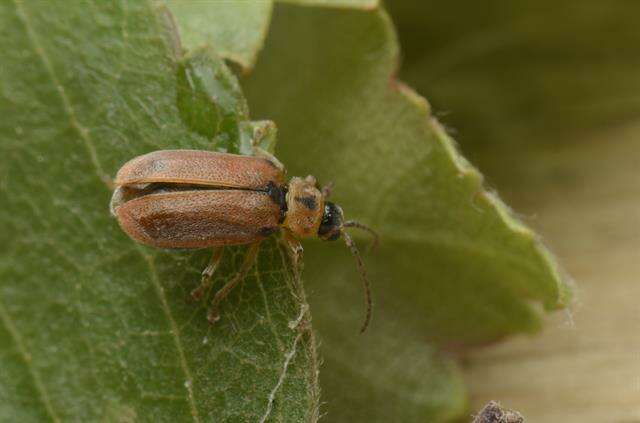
397,170
454,266
210,100
545,100
430,388
211,103
92,326
235,29
481,268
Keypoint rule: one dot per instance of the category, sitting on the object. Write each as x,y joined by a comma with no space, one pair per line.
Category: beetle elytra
201,199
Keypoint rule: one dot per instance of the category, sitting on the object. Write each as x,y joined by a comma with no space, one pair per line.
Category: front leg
248,262
295,247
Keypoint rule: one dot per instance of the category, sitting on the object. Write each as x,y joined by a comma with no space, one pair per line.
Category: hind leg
207,274
248,262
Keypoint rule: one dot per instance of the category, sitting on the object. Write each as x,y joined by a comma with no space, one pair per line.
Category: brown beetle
200,199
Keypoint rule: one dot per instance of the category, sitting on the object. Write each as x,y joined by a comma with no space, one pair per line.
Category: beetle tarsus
207,274
213,316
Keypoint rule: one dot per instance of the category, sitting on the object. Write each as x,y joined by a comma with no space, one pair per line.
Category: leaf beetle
196,199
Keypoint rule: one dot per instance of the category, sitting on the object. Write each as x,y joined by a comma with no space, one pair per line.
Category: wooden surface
584,198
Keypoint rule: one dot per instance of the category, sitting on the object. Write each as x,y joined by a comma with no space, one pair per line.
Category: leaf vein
66,102
175,331
27,358
272,327
285,366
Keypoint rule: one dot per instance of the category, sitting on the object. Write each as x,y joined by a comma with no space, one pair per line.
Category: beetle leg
249,260
260,152
207,273
295,247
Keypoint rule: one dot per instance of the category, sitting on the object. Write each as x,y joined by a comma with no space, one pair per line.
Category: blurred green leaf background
543,97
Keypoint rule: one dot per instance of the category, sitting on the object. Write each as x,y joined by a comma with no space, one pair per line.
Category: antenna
358,225
363,276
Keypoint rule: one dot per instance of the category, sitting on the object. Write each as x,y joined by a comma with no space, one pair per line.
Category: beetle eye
329,229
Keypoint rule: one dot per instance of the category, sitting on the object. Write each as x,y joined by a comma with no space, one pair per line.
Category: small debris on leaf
494,413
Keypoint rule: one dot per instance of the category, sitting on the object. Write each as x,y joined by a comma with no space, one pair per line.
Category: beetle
193,199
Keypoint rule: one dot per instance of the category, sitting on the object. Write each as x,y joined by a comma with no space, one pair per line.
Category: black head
332,220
